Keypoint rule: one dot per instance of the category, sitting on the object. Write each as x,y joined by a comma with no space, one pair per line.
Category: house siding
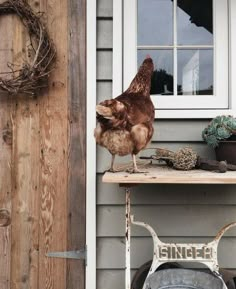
179,213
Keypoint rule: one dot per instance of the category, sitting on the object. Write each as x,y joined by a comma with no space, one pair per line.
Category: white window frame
125,40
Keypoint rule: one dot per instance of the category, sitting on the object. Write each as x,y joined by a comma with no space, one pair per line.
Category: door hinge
78,254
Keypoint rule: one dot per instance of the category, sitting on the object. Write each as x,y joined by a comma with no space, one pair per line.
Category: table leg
127,239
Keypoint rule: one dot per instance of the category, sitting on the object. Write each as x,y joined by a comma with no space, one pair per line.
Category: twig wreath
31,77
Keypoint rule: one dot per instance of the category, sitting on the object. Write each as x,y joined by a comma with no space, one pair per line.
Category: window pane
155,22
194,22
162,79
195,72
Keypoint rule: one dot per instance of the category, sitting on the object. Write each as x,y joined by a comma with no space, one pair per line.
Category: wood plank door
43,156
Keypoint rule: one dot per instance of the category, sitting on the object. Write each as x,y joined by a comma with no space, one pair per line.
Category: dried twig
32,76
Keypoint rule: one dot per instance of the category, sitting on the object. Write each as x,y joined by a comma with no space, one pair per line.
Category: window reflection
155,22
194,22
184,40
195,72
162,79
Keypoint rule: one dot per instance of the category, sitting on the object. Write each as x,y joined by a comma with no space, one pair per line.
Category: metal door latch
78,254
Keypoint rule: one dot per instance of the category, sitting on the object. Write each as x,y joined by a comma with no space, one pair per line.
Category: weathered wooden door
42,156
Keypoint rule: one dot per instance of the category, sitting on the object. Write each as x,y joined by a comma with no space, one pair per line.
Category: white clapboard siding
104,33
104,8
104,157
107,279
178,130
141,251
104,90
164,194
168,220
104,65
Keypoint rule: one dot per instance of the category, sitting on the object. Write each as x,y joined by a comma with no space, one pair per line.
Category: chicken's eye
119,106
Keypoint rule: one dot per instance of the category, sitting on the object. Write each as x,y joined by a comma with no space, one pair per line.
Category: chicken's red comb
148,56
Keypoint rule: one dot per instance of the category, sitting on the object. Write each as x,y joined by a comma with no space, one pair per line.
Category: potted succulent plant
221,135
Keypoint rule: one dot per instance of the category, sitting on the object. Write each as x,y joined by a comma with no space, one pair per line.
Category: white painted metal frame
91,147
160,249
127,239
127,67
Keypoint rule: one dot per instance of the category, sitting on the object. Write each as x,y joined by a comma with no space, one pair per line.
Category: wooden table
161,174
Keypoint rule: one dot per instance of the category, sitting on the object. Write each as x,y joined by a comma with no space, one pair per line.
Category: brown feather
125,124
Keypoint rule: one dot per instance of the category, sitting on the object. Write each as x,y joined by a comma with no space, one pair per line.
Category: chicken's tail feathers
142,80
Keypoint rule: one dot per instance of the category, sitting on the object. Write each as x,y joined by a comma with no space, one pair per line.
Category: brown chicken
124,124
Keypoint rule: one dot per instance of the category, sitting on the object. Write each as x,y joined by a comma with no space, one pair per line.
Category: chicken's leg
112,169
135,168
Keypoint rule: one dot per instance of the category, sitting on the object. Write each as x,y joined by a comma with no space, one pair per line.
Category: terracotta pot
226,151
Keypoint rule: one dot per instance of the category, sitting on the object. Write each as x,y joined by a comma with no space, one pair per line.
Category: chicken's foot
112,168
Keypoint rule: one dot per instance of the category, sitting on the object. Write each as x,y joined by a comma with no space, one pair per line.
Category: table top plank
161,174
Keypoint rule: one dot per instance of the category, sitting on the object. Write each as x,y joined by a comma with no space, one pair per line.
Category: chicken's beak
105,111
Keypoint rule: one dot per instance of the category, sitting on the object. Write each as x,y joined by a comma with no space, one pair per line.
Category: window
189,43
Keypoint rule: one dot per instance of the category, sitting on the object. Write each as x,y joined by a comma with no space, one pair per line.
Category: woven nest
185,159
33,74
